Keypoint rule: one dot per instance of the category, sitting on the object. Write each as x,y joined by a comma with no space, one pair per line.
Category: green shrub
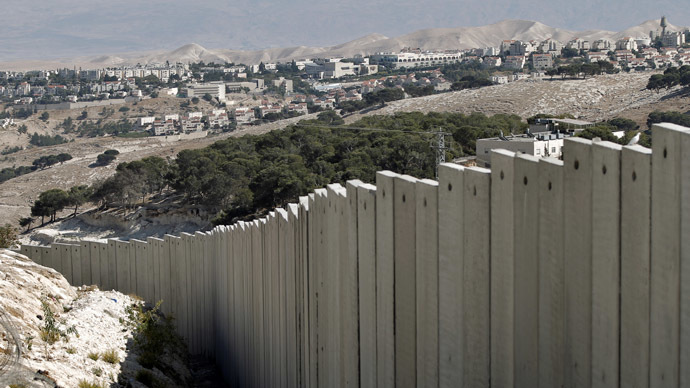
51,331
89,384
145,377
110,356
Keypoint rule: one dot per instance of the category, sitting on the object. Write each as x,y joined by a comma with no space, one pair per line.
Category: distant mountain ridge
431,39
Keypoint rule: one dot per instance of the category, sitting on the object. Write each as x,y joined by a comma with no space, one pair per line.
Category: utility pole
439,144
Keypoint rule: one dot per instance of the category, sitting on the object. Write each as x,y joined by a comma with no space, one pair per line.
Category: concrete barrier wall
539,273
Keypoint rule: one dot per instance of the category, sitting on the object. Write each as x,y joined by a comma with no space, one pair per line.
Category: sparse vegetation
672,76
97,371
104,159
110,356
10,172
11,150
52,330
89,384
94,356
29,340
100,128
71,350
26,222
154,335
8,236
46,140
49,160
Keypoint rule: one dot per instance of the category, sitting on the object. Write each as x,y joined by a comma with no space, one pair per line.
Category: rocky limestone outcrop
84,322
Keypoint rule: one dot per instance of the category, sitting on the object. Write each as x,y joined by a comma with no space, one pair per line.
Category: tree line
244,176
585,69
39,163
241,177
673,76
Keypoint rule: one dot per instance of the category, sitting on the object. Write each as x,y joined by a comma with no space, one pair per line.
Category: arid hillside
593,99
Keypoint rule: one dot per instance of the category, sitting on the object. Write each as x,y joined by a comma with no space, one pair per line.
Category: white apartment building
539,145
596,57
145,122
626,43
515,62
215,89
673,39
409,59
491,51
602,45
492,62
551,46
643,41
244,115
542,61
578,44
523,48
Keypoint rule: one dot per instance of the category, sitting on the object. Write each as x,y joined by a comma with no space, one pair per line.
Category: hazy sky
60,28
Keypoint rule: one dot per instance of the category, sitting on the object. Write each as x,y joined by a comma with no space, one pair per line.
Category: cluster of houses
26,93
247,115
42,86
173,124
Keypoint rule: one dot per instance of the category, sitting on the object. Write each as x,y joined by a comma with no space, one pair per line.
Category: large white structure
673,39
578,44
542,61
539,145
602,45
551,46
411,59
215,89
626,43
519,47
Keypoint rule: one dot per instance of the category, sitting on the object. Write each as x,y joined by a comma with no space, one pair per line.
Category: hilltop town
242,94
66,126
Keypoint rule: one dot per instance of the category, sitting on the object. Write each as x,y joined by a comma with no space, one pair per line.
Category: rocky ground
593,99
87,322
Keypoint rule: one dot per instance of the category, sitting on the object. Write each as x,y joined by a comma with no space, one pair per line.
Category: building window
553,150
538,151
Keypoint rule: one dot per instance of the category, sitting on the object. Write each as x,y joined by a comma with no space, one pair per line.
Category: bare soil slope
593,99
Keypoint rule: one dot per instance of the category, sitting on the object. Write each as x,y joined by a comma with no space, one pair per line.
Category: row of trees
379,97
8,173
585,69
46,140
668,117
246,175
52,201
671,77
49,160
